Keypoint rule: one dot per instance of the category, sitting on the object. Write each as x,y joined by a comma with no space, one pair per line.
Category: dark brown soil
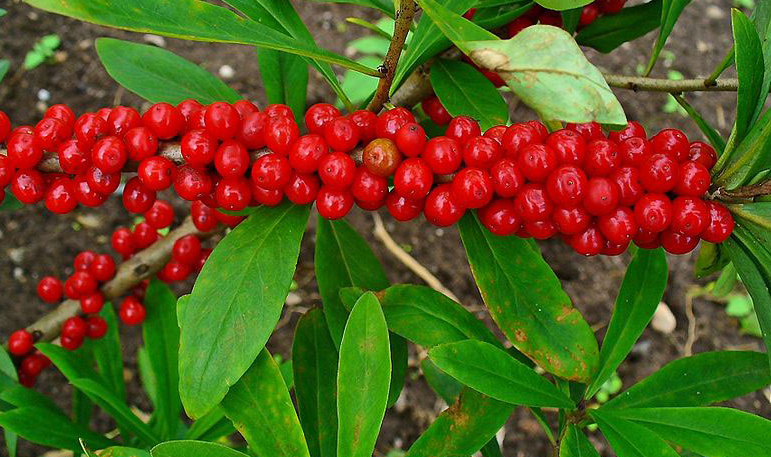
34,244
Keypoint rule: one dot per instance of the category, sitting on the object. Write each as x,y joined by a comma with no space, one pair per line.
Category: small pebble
155,40
43,95
663,320
293,299
226,72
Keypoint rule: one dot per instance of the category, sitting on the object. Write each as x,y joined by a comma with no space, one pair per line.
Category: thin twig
688,348
401,27
639,83
401,255
743,193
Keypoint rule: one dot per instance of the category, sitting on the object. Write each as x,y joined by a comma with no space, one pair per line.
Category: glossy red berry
634,151
102,182
443,155
533,203
618,226
721,224
306,152
496,133
507,178
161,215
653,212
23,150
141,143
131,311
83,260
75,327
164,120
381,157
62,113
103,113
589,14
602,157
175,271
369,187
275,110
80,283
72,158
231,159
28,186
482,152
536,162
319,115
187,249
203,216
244,107
517,137
472,188
156,173
403,209
69,343
49,133
192,183
462,129
601,196
566,185
671,142
136,197
517,25
271,171
302,188
570,221
341,134
92,303
109,154
188,107
693,179
569,146
677,243
441,209
144,235
234,194
628,181
102,268
702,153
500,217
34,364
205,253
365,120
97,327
198,147
589,242
633,129
222,120
436,111
411,139
6,171
590,131
5,126
690,216
659,173
60,196
337,170
389,122
251,133
122,119
413,179
122,242
20,342
280,134
50,289
333,203
540,230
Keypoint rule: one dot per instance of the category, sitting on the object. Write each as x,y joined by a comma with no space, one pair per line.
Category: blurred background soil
35,243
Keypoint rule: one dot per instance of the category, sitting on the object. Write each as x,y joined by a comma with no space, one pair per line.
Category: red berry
92,303
192,183
203,217
83,260
136,197
6,171
628,181
500,217
34,364
187,249
381,157
102,182
569,146
677,243
462,129
97,327
618,226
658,173
144,235
602,157
589,242
5,126
156,173
164,120
482,152
633,129
590,131
646,239
671,142
319,115
368,187
63,113
131,311
337,170
20,342
389,122
231,159
653,212
332,203
517,137
552,18
403,209
81,283
365,120
72,158
103,113
222,120
634,151
702,153
611,6
244,107
49,133
188,107
589,14
205,253
612,249
23,151
690,216
109,154
28,186
496,133
122,242
693,179
533,203
141,143
267,197
570,221
443,155
280,134
411,139
472,188
302,188
271,171
234,194
341,134
517,25
507,179
175,271
61,197
122,119
50,289
102,268
441,209
199,147
540,230
601,196
413,179
75,328
566,185
227,219
436,111
279,110
721,224
85,195
306,153
252,130
536,162
69,343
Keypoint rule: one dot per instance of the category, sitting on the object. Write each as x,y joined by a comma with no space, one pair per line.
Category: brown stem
743,193
638,83
402,26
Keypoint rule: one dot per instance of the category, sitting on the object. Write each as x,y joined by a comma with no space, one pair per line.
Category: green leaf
637,300
427,317
750,157
561,84
629,439
120,451
713,136
463,90
455,27
560,5
314,362
153,73
570,19
670,12
161,336
726,281
611,31
147,375
10,203
363,378
525,299
236,302
21,397
41,426
72,365
385,6
360,87
750,70
261,409
285,77
463,428
117,409
193,449
4,65
440,382
108,353
712,432
699,380
491,371
576,444
6,365
206,427
191,20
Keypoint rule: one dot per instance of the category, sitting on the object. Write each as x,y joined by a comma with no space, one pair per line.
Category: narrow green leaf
561,84
285,77
147,375
463,90
712,432
751,156
6,365
120,451
363,378
384,6
491,371
440,382
117,409
191,20
236,302
261,409
712,135
670,12
10,203
4,65
153,73
21,397
629,439
561,5
193,449
455,27
576,444
570,19
750,70
72,365
108,353
41,426
611,31
314,362
527,302
203,425
161,336
699,380
637,300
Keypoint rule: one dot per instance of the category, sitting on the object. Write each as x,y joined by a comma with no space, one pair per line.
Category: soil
34,244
